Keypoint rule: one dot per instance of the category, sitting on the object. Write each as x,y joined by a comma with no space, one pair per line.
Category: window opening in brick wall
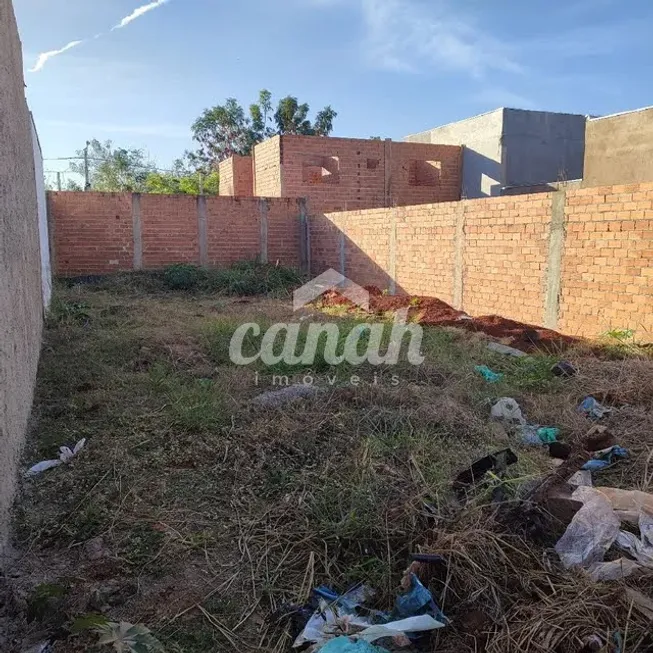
321,170
424,173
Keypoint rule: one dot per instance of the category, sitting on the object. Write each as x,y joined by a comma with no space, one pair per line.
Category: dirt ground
200,515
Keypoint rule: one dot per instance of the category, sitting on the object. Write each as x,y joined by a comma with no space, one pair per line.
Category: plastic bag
591,532
507,409
347,645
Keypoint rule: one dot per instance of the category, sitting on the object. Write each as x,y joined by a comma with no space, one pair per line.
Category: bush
244,278
183,276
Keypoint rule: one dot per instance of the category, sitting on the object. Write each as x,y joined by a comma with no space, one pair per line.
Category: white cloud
137,13
407,35
45,56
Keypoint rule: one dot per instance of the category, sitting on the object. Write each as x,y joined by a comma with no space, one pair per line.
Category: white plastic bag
508,410
591,532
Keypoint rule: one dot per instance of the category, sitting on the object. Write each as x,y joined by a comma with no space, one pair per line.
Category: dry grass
215,514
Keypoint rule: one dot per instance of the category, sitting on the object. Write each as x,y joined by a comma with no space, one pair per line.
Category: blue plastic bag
346,645
610,457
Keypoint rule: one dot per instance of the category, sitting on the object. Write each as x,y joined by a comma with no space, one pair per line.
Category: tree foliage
225,130
184,180
119,169
114,169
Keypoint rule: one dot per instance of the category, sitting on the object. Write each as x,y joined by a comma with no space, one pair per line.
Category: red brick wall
92,232
170,230
340,174
351,184
607,275
236,177
426,249
423,173
267,170
606,280
233,230
283,231
505,256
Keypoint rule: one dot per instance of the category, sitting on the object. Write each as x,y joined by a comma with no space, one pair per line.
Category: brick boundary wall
576,260
101,233
579,261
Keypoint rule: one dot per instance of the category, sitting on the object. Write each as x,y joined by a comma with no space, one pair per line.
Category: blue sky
389,67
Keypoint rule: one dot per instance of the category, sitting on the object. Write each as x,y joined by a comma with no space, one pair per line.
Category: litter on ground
66,454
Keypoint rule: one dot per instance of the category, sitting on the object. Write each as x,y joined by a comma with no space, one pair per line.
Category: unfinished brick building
346,173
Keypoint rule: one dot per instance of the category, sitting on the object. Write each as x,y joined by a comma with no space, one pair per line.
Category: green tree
114,169
225,130
182,180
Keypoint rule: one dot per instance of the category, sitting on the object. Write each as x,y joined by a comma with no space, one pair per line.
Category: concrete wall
21,306
482,175
513,147
619,149
44,236
542,147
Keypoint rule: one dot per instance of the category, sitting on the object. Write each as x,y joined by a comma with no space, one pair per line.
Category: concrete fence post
554,262
459,258
263,209
137,231
304,237
392,263
202,229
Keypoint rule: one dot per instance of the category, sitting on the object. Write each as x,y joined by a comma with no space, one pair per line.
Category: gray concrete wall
619,149
482,158
513,147
42,204
542,147
21,306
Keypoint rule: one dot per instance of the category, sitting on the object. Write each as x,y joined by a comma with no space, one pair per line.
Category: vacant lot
200,515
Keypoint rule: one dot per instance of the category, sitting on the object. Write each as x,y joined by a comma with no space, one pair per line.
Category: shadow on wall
481,175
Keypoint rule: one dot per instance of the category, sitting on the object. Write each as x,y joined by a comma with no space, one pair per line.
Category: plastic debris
581,477
591,532
535,434
414,611
603,459
564,369
419,624
66,454
348,645
276,398
489,375
596,527
593,408
507,409
504,349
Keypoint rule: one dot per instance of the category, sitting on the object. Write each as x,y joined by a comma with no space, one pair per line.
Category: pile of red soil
431,311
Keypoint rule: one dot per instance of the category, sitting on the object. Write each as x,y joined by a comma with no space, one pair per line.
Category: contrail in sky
44,56
137,13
